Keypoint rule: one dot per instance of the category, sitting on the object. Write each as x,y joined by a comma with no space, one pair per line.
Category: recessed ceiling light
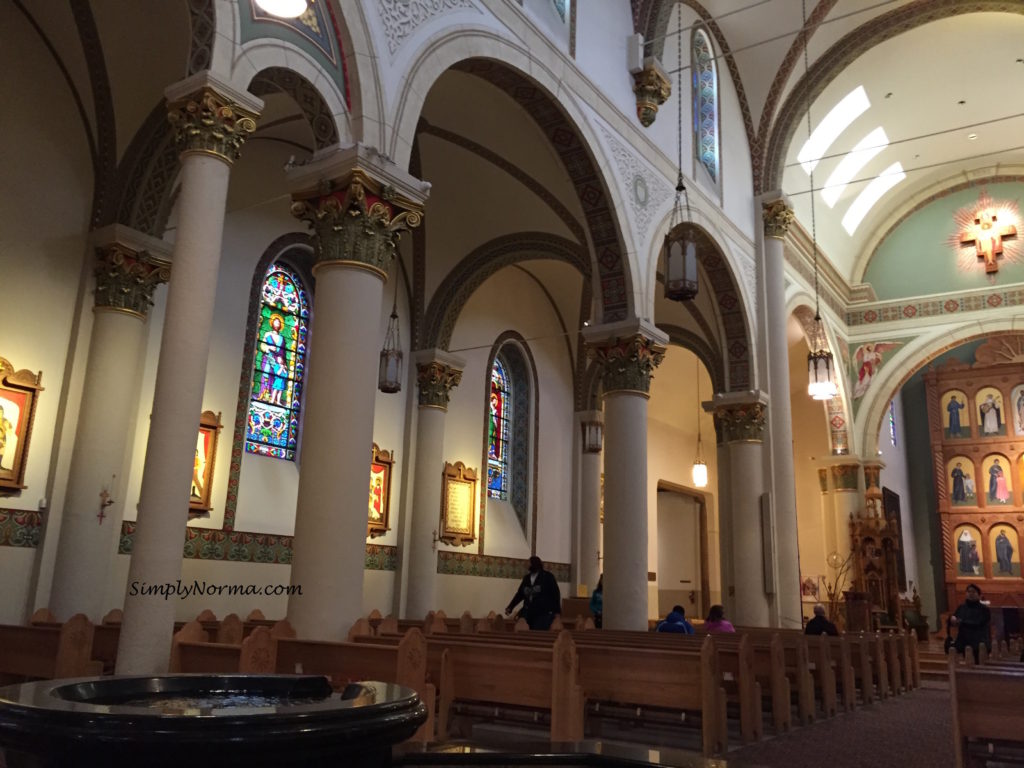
888,95
962,102
972,136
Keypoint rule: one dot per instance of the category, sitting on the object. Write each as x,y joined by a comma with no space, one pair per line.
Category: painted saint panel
991,414
1005,548
962,489
999,486
1017,400
956,416
968,554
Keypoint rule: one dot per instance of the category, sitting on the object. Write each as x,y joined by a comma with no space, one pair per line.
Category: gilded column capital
628,363
845,477
652,88
740,417
778,217
207,122
126,279
435,380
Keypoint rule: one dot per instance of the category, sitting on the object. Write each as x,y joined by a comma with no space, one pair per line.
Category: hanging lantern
680,251
389,377
700,467
593,436
821,369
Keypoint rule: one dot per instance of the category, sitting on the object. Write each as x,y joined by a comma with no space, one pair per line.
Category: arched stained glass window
500,416
278,366
705,102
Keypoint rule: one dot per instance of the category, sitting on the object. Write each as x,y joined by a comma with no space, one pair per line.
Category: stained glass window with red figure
499,417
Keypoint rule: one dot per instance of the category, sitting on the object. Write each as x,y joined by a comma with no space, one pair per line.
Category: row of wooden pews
988,706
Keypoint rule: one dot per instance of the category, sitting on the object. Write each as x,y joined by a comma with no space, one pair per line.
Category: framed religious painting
378,516
956,415
18,393
205,459
991,412
458,511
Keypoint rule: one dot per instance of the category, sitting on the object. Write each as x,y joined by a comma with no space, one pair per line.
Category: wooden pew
48,652
403,663
988,707
192,653
664,674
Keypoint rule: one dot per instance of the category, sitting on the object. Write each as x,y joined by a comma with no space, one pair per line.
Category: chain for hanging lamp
389,375
821,369
700,467
680,248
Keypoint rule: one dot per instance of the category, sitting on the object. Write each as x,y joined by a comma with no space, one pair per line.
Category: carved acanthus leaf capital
778,217
360,224
627,364
207,122
740,422
126,279
652,88
435,381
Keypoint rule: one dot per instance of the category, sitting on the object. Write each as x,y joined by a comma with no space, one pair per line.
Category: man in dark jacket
675,622
972,620
820,625
540,596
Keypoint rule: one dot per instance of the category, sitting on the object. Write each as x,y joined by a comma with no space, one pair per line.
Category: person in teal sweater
597,602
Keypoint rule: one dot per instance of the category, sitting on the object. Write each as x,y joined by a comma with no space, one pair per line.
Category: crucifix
105,501
987,236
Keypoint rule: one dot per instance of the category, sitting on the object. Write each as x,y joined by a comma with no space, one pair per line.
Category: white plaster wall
895,477
44,210
547,19
601,34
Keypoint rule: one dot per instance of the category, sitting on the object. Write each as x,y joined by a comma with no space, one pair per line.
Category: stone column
828,513
437,373
591,445
628,353
129,267
847,500
212,121
357,203
739,425
786,605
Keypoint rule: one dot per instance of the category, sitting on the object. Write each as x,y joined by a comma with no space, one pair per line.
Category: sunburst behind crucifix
986,231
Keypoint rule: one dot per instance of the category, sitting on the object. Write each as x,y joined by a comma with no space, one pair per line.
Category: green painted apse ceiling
919,257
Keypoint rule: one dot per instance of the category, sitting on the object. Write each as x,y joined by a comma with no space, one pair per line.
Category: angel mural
867,359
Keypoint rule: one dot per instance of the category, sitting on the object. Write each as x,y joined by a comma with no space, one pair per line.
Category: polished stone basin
216,720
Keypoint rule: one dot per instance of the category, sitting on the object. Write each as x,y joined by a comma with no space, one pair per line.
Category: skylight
853,105
871,194
852,164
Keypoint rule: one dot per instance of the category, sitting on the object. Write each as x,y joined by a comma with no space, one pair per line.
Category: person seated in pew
597,602
675,622
820,625
972,620
716,622
540,596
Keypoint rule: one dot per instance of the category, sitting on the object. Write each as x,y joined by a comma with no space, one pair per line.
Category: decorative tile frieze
907,309
20,528
246,547
465,564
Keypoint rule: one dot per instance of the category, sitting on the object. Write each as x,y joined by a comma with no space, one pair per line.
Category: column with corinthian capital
739,425
786,608
628,353
357,203
437,374
212,121
129,267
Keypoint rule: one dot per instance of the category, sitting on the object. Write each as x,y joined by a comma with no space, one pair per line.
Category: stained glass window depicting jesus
278,365
499,416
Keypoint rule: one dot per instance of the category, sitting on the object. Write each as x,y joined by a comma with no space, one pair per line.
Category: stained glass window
499,417
278,365
562,8
705,103
892,422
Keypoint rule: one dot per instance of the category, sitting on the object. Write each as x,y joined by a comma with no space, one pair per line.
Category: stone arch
911,359
843,53
451,296
838,408
258,67
729,298
532,83
709,357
